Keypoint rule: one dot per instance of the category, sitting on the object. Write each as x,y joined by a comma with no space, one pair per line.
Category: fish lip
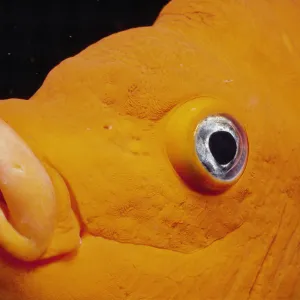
27,221
72,197
3,206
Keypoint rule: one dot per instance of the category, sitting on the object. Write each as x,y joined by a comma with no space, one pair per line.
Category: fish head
157,159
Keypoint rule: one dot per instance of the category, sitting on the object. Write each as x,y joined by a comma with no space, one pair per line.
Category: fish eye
221,146
206,145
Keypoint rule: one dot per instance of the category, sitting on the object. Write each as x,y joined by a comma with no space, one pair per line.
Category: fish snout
29,211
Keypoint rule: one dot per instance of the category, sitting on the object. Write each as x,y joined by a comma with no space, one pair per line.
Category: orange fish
160,163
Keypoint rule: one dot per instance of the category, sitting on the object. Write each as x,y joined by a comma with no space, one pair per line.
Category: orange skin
99,125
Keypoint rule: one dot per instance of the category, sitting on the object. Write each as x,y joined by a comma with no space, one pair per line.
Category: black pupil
222,146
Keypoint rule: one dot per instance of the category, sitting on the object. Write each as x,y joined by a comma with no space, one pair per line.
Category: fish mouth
28,205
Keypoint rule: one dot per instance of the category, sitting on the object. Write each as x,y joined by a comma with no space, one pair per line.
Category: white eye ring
222,147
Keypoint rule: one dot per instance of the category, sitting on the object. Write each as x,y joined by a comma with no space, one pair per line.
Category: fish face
125,139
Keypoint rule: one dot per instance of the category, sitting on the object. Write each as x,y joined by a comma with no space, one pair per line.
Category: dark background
37,35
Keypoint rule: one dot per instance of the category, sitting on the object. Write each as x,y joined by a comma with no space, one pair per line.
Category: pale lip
30,198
